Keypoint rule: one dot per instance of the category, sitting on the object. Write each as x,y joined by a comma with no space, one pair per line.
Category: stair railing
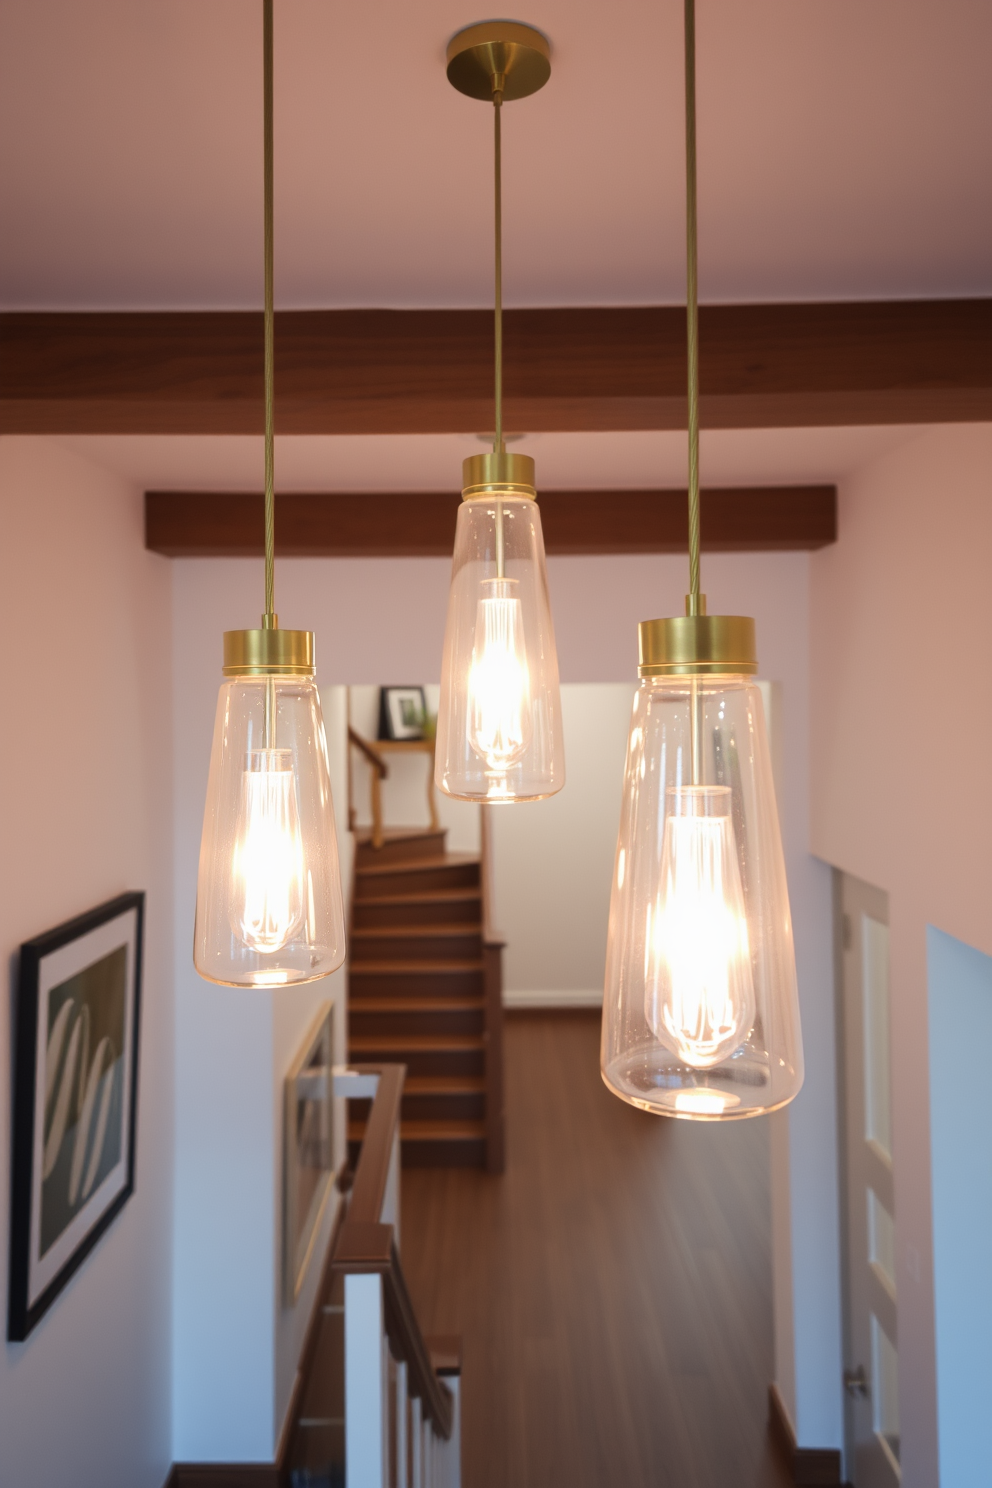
378,773
402,1421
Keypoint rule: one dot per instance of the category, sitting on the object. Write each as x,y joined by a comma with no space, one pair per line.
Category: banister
370,752
366,1246
372,1173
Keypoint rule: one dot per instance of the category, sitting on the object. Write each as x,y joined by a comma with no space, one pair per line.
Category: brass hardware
856,1384
498,474
697,646
268,653
482,56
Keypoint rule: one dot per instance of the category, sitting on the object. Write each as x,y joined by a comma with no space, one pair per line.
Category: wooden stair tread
401,932
417,968
424,896
416,1004
429,1131
371,1043
363,835
412,865
444,1085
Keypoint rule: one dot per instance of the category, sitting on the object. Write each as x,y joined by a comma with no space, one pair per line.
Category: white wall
960,1002
85,775
553,861
902,716
235,1343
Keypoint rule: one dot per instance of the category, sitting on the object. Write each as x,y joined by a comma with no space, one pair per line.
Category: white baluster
402,1469
366,1382
416,1445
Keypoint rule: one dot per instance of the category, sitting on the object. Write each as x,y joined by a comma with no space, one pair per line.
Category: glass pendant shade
701,1011
499,734
269,910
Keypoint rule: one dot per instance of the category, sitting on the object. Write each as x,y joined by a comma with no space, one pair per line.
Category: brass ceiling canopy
498,473
269,652
480,55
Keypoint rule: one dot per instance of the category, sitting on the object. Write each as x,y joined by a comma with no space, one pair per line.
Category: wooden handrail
367,1246
370,752
372,1173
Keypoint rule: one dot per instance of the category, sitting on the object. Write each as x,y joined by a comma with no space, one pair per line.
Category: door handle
856,1383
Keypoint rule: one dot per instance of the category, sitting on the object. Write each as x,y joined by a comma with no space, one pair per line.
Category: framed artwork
75,1089
309,1157
402,712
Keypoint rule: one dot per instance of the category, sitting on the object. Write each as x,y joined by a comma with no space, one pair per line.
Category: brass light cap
503,474
517,53
696,646
267,653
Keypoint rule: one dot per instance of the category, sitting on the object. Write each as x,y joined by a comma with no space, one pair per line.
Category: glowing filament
498,682
699,998
270,895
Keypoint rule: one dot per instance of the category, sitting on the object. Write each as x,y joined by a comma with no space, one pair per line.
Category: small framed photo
402,712
309,1156
75,1098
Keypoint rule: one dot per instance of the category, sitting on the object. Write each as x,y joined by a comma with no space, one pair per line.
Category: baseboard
224,1475
811,1467
542,1001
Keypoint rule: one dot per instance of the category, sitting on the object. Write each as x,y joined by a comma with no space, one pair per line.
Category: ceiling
433,462
845,150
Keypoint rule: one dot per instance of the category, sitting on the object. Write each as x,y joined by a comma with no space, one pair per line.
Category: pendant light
499,735
268,897
700,1012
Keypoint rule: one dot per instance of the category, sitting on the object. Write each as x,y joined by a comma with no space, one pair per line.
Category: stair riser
446,1062
459,1106
470,1153
428,1021
467,947
413,984
421,879
406,850
371,916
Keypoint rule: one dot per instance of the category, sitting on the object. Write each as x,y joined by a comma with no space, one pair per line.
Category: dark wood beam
200,524
430,371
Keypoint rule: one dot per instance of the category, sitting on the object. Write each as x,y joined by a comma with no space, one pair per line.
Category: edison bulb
499,724
268,881
699,989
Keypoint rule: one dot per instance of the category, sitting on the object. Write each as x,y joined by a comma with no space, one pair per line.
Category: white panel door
871,1341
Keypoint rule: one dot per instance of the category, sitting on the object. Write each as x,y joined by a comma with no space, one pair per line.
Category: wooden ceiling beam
430,371
198,524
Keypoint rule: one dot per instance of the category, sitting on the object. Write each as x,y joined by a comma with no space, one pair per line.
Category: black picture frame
391,701
77,965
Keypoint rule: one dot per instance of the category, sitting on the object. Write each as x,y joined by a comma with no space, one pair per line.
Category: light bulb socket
697,646
269,653
509,52
499,473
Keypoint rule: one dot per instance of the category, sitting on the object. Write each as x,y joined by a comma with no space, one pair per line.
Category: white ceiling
845,149
432,462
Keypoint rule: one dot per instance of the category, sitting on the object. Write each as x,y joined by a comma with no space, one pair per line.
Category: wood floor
612,1289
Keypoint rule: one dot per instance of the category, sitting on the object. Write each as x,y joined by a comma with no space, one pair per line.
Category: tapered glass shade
701,1012
268,900
499,735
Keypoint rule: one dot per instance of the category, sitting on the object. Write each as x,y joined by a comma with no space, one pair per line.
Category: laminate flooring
612,1288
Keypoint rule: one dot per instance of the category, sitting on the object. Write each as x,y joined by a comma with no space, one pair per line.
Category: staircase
424,991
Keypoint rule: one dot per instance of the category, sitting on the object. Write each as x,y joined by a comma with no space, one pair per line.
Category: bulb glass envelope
499,732
269,911
701,1012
